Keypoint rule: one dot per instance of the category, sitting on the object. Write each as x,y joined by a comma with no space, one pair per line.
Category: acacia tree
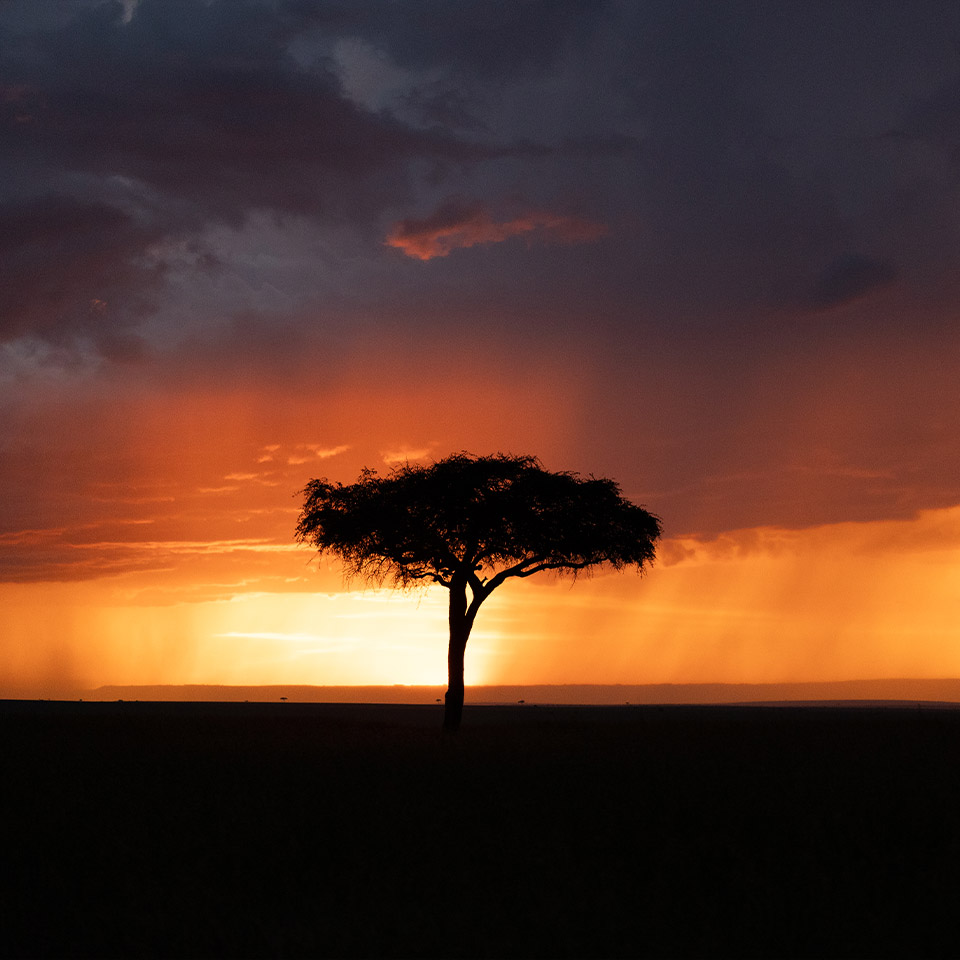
470,523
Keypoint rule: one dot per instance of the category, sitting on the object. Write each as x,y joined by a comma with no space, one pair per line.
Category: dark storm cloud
760,156
733,150
849,278
222,182
934,119
436,103
62,264
199,101
189,113
496,39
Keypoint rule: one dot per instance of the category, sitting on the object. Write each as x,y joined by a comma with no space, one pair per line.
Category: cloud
314,451
492,38
457,224
734,152
63,555
70,270
324,453
193,116
405,454
850,277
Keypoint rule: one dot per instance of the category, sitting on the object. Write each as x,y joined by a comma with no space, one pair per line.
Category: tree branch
564,565
530,566
515,571
428,575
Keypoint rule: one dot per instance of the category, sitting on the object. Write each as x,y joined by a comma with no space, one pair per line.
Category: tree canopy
500,516
468,521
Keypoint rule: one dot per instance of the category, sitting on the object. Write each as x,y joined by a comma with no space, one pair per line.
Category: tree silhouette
469,522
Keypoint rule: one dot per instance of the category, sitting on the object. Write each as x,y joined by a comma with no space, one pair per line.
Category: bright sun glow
836,602
355,637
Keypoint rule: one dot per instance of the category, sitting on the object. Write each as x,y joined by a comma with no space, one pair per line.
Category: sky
709,250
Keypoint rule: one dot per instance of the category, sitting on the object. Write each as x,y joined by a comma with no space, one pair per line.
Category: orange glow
456,226
199,486
159,550
843,601
84,639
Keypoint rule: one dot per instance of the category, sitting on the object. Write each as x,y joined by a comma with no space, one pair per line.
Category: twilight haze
709,250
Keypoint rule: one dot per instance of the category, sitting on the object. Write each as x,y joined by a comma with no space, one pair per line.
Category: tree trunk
460,624
453,701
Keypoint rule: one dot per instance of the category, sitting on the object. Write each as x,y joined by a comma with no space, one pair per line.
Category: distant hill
905,689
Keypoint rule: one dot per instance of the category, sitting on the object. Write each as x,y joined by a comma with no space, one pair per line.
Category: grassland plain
295,830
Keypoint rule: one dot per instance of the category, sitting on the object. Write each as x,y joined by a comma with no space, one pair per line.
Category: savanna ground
256,830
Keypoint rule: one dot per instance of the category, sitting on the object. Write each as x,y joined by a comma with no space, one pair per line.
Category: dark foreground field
249,830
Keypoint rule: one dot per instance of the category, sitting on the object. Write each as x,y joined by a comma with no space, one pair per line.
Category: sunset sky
710,250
